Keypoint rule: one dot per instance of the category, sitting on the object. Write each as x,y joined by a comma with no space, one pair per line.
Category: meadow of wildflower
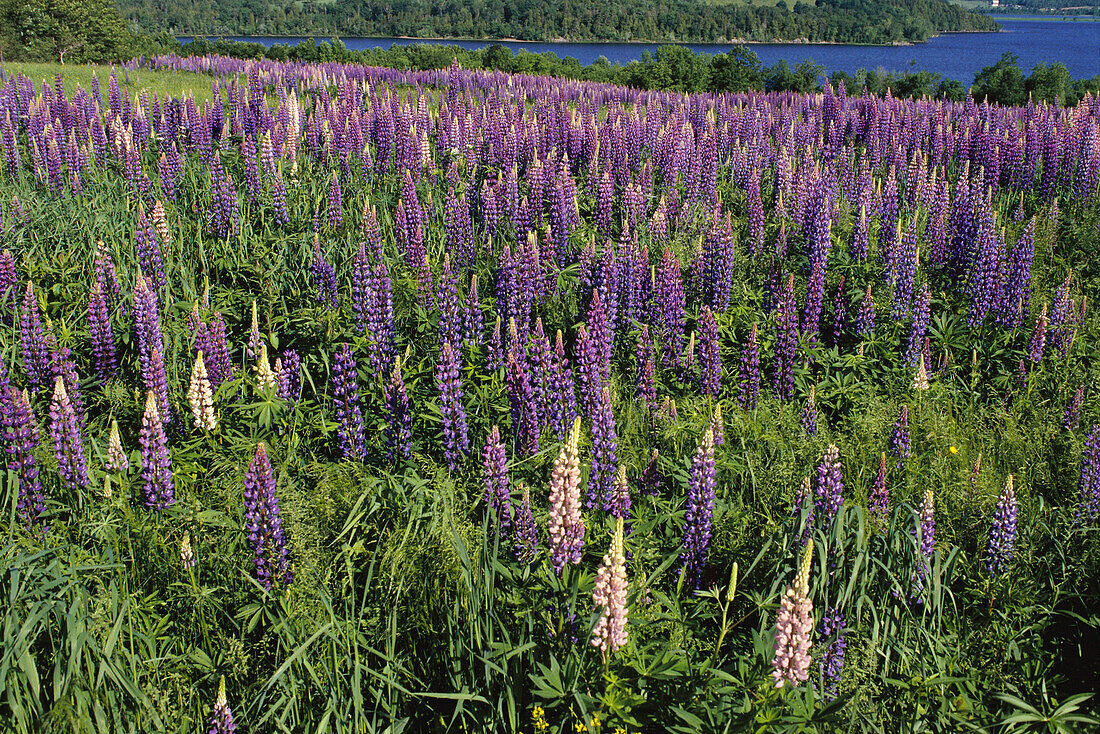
350,399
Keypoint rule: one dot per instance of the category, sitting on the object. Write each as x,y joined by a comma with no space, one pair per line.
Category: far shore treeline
91,31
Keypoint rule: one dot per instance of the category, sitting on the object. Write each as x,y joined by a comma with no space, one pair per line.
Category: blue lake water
954,55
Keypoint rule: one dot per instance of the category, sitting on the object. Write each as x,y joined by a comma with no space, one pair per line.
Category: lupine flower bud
117,460
399,425
1002,534
566,526
262,523
221,720
1073,411
156,465
700,510
526,533
68,445
265,377
449,375
794,627
920,377
718,426
809,414
610,596
832,663
187,556
200,396
253,348
20,442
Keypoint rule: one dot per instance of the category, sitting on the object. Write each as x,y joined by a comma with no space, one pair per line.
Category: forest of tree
848,21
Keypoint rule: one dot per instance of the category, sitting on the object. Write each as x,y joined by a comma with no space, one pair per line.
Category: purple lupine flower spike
829,488
899,439
809,414
1002,534
20,442
104,359
68,444
399,425
221,719
865,319
36,355
1088,507
345,398
710,361
786,341
289,375
700,511
156,464
1038,338
262,523
449,376
526,533
833,625
324,277
521,398
1072,417
605,463
495,471
749,374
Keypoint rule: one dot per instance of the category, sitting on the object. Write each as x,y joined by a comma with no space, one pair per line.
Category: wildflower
265,377
899,439
830,485
700,509
68,445
879,501
565,525
20,442
809,414
187,556
495,467
262,523
526,534
953,450
794,627
345,398
1089,504
200,396
156,465
116,456
920,379
221,720
449,374
1002,534
610,595
831,664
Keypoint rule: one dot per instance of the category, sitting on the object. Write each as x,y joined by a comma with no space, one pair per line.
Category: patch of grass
162,83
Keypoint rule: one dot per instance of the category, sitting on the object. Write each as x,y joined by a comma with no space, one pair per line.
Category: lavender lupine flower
36,353
794,627
809,414
399,419
832,662
201,397
262,523
324,278
1062,318
1002,533
449,376
104,359
150,341
494,464
1073,411
526,544
899,439
878,503
221,720
566,526
20,442
156,464
651,479
345,398
521,398
148,246
605,463
840,312
288,372
1038,338
609,595
865,319
117,460
668,297
786,341
749,375
1089,505
710,360
564,407
699,511
67,443
829,489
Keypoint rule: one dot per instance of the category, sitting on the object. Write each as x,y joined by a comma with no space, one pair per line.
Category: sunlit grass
161,83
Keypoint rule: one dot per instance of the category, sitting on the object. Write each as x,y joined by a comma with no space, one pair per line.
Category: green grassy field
162,83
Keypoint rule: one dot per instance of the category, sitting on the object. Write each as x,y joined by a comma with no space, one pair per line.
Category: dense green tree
1049,83
64,30
1002,82
736,71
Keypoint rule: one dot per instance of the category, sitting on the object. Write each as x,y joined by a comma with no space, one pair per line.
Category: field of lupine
361,400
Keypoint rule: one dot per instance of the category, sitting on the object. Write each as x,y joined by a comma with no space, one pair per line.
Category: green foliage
64,30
